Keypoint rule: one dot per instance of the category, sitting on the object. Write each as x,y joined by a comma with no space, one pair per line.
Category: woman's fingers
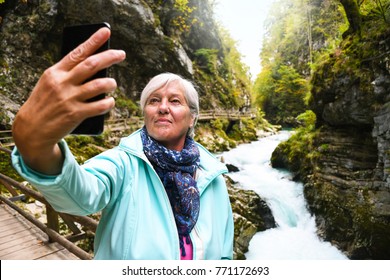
99,107
96,87
84,50
90,66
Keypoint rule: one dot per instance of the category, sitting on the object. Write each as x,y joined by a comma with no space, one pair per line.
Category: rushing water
295,236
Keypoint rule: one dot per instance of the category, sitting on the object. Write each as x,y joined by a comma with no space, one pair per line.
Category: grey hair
190,94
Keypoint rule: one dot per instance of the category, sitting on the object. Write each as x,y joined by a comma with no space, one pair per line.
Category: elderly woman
162,195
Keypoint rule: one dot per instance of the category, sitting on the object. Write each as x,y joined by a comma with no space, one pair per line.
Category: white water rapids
295,236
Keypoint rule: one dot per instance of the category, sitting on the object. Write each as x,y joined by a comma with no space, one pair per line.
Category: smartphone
72,37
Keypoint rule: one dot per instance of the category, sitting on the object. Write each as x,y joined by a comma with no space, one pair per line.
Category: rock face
349,189
156,35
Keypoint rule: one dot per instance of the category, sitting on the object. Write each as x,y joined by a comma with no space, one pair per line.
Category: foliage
376,10
222,75
327,51
302,35
281,93
308,120
213,136
84,147
6,167
354,57
243,131
298,150
126,104
180,17
207,59
183,20
296,32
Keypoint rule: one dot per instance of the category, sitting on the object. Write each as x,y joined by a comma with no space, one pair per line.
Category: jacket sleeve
77,190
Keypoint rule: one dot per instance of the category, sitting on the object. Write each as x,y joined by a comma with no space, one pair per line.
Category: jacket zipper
194,232
197,245
172,217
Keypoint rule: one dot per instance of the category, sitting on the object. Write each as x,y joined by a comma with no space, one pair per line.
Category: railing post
52,220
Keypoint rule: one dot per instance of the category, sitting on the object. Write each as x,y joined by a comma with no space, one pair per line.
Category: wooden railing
114,125
6,139
231,115
20,192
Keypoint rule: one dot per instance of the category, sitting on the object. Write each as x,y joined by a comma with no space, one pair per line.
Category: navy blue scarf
176,171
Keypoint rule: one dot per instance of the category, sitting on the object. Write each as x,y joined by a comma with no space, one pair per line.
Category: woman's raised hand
58,102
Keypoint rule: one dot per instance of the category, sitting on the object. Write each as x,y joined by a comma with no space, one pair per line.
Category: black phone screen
72,37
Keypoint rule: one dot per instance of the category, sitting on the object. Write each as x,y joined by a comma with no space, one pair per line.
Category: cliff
347,170
158,36
350,188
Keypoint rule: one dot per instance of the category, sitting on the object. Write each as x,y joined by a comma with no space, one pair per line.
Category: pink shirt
189,250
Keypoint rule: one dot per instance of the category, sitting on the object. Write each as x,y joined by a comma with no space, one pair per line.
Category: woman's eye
153,100
175,101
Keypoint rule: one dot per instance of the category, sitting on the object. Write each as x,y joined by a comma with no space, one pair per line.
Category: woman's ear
193,118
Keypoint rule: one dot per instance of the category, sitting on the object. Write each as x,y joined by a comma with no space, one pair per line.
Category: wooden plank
4,214
18,244
32,252
21,240
13,232
60,255
12,228
4,238
7,221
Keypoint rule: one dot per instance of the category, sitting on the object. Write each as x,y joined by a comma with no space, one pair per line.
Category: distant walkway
228,114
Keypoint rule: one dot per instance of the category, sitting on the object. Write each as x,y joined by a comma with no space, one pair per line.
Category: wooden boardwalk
21,240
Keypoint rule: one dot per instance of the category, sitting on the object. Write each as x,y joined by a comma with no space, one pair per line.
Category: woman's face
168,116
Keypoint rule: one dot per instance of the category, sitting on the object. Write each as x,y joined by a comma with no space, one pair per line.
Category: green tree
223,74
353,15
299,34
281,94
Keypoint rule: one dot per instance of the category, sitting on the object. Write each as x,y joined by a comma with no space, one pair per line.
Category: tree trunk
353,15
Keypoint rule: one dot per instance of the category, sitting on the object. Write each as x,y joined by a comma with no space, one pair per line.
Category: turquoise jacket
137,220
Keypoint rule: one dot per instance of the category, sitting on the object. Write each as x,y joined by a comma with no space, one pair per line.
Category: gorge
342,158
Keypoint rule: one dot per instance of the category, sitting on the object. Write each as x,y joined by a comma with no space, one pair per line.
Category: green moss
125,103
298,153
7,169
324,147
244,131
219,124
85,147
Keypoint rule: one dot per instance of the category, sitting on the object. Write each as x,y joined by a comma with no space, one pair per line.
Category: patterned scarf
176,171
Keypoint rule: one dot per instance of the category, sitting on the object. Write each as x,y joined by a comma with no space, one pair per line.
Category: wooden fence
6,139
230,115
80,227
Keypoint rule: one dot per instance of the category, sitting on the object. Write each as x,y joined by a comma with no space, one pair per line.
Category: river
295,236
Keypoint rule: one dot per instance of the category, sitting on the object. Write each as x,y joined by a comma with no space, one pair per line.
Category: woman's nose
164,108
